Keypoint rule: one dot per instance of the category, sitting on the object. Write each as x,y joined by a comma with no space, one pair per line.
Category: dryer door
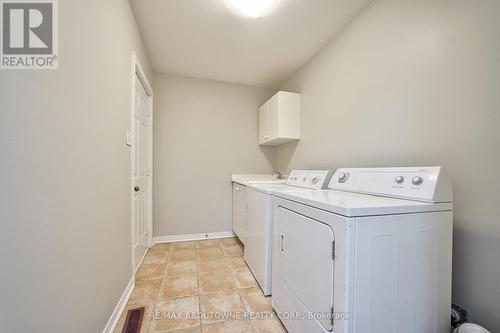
305,261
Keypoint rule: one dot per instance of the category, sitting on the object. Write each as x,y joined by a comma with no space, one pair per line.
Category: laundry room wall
65,242
417,83
204,131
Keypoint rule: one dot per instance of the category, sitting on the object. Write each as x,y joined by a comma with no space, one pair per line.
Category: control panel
428,184
313,179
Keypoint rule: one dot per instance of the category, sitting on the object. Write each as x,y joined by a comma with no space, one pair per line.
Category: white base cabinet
239,210
279,119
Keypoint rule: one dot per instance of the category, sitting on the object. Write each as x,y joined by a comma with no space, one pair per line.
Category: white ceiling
204,39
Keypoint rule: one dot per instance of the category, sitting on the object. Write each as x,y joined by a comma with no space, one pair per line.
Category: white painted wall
417,83
204,131
406,83
65,175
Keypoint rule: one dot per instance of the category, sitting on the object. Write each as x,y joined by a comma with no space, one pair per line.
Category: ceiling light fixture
253,8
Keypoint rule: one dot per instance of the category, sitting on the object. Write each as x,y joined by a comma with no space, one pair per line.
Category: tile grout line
161,284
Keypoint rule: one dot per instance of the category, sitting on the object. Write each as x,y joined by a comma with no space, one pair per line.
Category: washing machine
259,217
372,254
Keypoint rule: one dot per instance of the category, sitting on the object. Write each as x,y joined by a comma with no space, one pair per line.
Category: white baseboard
190,237
141,261
115,316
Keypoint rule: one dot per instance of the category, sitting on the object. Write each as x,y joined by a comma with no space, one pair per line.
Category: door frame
138,72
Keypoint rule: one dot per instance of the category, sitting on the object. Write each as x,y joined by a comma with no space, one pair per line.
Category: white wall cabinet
239,210
279,119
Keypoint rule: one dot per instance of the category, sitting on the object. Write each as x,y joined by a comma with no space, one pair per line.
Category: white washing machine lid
269,188
245,179
355,204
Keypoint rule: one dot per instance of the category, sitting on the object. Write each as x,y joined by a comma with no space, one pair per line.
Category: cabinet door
279,119
242,213
263,124
289,115
273,121
236,208
236,189
239,211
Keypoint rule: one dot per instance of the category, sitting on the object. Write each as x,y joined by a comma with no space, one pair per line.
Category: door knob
137,188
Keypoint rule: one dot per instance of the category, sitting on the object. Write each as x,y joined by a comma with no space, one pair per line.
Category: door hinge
333,250
331,316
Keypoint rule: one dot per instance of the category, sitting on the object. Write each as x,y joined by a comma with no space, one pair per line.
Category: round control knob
417,180
343,176
399,179
315,180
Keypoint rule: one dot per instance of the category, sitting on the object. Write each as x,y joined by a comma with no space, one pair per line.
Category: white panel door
304,261
141,171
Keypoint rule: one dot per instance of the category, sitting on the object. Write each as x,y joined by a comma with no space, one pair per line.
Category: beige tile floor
178,281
